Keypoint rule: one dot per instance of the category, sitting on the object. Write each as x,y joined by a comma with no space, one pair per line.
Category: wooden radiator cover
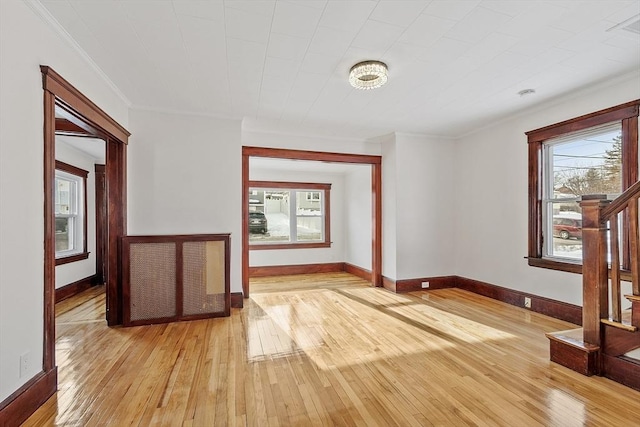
175,277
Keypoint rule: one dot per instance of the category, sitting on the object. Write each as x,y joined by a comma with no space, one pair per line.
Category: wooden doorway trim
101,222
82,112
81,117
376,199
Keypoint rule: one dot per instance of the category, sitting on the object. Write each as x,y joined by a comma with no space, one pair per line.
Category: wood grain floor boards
325,350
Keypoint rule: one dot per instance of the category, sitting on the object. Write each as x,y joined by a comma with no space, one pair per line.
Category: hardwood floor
326,350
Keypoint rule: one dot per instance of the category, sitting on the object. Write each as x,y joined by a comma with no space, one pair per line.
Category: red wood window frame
80,173
294,186
627,115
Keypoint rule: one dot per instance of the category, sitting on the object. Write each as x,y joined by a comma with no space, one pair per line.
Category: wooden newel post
595,280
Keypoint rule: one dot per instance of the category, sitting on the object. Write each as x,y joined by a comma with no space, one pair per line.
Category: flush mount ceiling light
368,75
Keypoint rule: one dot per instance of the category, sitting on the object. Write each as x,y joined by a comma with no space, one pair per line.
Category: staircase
608,344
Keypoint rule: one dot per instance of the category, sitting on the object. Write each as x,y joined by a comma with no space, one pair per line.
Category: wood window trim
627,115
73,170
325,188
270,246
73,258
83,174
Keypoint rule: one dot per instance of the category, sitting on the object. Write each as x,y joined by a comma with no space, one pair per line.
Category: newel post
595,280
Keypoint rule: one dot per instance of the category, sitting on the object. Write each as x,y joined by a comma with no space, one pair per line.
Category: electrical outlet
527,302
25,364
425,285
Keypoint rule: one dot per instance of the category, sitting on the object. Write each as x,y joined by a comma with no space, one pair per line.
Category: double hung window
70,213
575,165
596,154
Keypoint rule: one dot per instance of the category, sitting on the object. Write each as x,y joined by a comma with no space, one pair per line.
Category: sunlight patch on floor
562,404
271,336
315,322
441,320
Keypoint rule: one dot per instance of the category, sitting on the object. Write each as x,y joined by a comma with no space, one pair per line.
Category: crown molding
53,23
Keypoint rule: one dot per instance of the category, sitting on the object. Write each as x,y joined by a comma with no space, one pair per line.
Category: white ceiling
454,66
93,147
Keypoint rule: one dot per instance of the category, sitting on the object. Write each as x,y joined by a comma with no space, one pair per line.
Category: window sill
625,275
550,264
290,246
72,258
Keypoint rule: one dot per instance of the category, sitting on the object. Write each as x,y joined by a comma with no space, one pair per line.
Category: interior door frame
81,111
101,222
281,153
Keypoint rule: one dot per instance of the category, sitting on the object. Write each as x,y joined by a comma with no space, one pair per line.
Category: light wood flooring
326,350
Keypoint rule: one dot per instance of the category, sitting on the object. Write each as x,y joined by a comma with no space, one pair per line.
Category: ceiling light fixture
368,75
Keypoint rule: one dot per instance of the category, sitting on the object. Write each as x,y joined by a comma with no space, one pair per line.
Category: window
582,163
284,215
313,195
593,154
70,213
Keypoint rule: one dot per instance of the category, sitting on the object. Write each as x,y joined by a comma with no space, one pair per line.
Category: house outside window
313,195
288,215
592,154
574,165
70,213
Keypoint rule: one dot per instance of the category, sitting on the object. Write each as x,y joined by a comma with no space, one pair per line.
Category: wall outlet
425,285
25,364
527,302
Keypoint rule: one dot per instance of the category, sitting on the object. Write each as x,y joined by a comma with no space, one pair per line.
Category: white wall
491,182
306,256
389,205
310,142
25,43
74,271
184,177
358,226
424,196
417,198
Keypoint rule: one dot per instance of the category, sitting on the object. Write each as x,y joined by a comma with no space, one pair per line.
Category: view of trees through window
67,213
586,163
285,215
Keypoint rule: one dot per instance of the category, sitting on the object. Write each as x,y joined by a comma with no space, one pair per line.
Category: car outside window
577,164
595,154
288,215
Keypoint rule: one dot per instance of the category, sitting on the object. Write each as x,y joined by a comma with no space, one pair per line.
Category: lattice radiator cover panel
167,278
152,280
203,277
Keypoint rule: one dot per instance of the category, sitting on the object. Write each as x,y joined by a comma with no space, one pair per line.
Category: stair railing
601,231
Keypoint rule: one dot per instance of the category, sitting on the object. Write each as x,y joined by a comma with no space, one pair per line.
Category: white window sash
293,216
